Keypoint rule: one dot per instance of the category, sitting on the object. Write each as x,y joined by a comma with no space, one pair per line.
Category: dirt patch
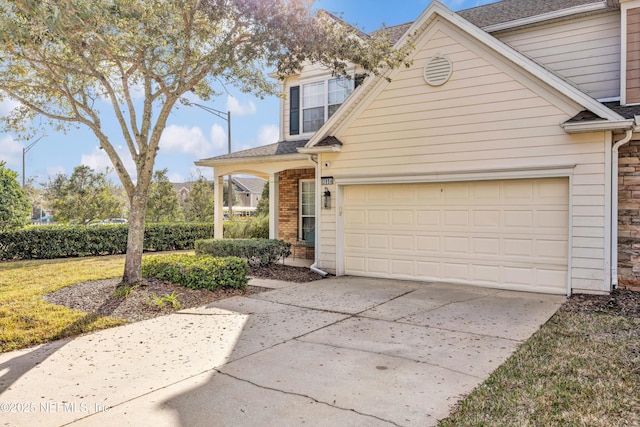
143,302
621,302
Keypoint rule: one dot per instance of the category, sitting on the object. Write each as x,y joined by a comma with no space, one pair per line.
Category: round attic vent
438,70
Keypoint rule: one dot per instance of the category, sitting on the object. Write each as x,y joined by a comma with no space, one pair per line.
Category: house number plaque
326,180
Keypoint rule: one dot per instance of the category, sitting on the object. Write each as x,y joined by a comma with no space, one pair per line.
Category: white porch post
273,205
218,205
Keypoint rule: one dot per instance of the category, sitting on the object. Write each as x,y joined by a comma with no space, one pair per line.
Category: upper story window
319,101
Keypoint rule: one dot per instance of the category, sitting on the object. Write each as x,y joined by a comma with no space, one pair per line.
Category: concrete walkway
340,351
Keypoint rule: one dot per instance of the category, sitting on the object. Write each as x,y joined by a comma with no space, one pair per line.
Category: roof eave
536,19
322,149
598,126
258,159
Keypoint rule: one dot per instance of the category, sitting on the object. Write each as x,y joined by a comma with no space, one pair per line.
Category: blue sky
191,133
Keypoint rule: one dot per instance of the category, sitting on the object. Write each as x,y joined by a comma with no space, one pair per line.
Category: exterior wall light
326,198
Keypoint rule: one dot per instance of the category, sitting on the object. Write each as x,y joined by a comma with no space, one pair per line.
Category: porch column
274,192
218,188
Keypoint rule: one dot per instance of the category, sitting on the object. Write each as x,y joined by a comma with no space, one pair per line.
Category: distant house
247,190
506,156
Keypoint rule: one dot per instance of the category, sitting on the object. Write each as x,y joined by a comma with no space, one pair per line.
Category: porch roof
279,150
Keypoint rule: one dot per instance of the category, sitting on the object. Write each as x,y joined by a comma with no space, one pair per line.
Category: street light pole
25,150
224,116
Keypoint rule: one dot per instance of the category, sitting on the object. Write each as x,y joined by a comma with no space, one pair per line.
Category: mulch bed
98,296
621,302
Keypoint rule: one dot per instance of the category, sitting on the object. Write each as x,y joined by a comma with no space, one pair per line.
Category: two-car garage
505,233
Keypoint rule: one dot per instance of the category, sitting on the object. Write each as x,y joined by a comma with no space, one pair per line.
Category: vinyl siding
489,116
585,51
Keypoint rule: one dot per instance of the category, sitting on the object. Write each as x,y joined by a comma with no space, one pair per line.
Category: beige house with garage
504,157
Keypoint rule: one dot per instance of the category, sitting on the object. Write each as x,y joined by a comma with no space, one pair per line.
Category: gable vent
438,70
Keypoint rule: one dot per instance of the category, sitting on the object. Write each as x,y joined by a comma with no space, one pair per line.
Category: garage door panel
378,218
456,245
377,241
428,244
428,218
492,233
456,270
402,243
402,268
428,270
458,218
486,274
485,245
355,241
378,265
487,220
355,265
402,217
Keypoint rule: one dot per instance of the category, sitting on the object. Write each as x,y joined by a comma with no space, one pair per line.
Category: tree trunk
135,241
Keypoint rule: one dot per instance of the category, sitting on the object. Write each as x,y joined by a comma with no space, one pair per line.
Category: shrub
257,252
51,241
247,228
197,272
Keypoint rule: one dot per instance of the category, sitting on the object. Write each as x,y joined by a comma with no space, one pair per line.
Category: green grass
26,319
577,370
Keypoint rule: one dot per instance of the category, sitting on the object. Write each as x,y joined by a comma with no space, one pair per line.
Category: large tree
199,205
162,202
85,196
62,60
15,209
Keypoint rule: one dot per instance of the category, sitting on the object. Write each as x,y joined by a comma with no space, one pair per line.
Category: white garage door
508,234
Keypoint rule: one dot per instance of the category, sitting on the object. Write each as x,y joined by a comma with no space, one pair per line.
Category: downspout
614,207
316,251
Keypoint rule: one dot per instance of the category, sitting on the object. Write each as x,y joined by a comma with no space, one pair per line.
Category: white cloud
7,106
186,140
268,134
219,139
10,151
237,109
98,160
176,177
56,170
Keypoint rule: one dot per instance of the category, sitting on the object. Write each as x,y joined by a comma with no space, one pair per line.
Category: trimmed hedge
54,241
257,252
256,227
197,271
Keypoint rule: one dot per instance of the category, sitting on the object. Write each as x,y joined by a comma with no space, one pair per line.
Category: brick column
629,214
288,206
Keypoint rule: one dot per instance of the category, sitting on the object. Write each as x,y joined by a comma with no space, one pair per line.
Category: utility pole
224,116
25,150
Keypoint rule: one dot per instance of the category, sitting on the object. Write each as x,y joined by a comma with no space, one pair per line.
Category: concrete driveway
340,351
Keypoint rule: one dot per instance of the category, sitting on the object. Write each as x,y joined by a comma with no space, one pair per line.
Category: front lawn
26,319
580,369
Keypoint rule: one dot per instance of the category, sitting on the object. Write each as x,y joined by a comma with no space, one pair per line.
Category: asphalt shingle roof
498,13
481,16
510,10
276,149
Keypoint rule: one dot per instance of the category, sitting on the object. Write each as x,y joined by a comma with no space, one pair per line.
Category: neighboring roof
437,9
276,149
249,185
501,12
394,32
626,111
329,141
511,10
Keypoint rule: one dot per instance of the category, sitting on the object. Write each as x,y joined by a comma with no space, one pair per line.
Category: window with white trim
307,226
321,99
